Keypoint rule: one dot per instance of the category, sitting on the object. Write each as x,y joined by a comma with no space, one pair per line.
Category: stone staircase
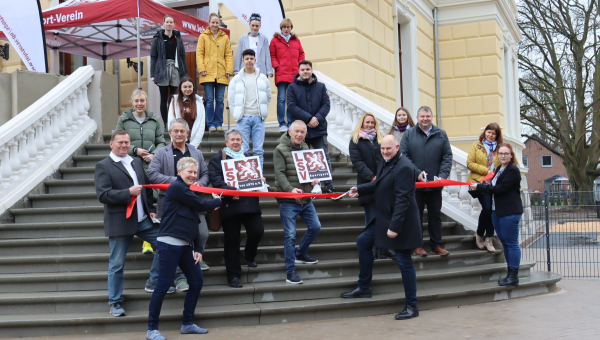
54,258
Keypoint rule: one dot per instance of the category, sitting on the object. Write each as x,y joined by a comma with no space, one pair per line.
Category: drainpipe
438,103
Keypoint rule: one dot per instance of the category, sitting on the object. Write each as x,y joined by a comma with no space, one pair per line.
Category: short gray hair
185,162
298,122
424,108
179,120
232,131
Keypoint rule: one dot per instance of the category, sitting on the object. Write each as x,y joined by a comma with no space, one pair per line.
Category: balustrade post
331,126
356,113
68,117
52,131
39,140
463,194
348,121
31,148
15,163
339,118
453,189
5,168
81,111
61,123
75,109
86,102
23,154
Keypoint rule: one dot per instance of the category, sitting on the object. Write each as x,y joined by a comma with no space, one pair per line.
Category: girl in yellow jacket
483,159
214,60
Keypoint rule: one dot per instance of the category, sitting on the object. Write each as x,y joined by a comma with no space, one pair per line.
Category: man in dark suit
396,224
118,178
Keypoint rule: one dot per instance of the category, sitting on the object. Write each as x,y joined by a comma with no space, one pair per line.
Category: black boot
375,253
511,279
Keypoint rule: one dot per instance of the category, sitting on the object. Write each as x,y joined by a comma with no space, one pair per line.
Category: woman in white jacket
188,105
249,96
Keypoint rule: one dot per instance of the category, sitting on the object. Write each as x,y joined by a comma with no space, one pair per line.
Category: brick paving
571,312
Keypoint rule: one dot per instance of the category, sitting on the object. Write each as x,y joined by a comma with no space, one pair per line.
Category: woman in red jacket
286,54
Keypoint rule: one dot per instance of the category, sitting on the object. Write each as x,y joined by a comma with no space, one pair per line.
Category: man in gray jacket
162,170
428,147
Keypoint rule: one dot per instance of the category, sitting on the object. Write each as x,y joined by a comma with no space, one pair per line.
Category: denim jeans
214,113
170,257
288,212
485,227
281,91
255,126
365,242
321,143
116,262
507,229
203,227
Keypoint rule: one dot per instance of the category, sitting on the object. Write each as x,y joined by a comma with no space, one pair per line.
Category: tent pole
139,59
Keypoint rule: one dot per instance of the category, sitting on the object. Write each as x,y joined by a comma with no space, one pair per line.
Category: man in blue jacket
308,101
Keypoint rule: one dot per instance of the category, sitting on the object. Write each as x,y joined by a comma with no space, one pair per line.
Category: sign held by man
311,165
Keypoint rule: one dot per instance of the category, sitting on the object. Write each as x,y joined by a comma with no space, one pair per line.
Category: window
526,161
547,161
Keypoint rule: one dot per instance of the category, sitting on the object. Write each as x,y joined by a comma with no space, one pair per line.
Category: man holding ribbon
286,180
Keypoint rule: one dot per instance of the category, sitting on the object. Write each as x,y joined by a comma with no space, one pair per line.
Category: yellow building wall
351,41
426,64
471,85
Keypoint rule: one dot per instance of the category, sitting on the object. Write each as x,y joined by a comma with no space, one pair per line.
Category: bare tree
560,82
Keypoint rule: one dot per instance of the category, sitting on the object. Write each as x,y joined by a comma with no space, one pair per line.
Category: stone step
274,291
87,271
274,312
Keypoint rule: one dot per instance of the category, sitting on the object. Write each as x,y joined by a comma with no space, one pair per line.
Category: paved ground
571,312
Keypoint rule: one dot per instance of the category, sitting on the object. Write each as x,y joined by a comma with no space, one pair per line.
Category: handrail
39,139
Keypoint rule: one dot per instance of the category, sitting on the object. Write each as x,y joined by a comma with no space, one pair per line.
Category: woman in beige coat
402,122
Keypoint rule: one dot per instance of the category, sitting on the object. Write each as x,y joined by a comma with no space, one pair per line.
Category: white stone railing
347,106
39,139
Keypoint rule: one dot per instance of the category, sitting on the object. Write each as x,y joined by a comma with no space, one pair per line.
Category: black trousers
321,143
231,230
433,200
164,97
485,228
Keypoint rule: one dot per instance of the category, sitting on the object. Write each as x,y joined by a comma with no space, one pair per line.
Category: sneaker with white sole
203,265
305,259
155,335
283,128
151,286
147,248
182,286
193,329
116,309
293,278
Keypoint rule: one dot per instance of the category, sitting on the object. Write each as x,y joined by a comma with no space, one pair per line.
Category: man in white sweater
249,96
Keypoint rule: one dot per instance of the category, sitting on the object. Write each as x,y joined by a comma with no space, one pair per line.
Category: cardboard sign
243,173
311,165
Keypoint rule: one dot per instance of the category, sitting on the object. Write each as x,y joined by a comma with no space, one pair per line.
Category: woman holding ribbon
259,43
402,122
483,159
507,209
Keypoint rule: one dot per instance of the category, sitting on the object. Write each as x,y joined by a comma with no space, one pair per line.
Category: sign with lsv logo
311,165
243,173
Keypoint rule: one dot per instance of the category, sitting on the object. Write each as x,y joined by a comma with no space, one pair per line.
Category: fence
561,232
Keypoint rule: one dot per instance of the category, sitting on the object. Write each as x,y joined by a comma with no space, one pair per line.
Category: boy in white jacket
249,96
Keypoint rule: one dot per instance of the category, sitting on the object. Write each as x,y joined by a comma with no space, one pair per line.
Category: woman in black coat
507,209
365,154
234,212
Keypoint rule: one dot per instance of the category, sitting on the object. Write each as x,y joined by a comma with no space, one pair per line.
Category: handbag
214,216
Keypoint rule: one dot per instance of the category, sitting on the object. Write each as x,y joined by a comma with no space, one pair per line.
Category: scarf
491,145
287,38
233,154
492,153
401,127
254,35
367,134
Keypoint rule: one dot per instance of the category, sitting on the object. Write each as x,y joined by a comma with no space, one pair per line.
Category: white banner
243,173
269,10
311,165
21,22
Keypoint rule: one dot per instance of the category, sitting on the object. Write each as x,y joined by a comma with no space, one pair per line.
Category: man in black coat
308,101
118,178
396,224
429,150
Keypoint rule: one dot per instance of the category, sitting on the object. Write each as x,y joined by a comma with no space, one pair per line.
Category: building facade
543,165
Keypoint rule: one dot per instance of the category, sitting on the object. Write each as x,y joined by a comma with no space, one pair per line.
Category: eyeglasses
504,154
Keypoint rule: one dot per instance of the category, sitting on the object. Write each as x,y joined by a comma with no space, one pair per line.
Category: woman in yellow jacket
214,60
483,159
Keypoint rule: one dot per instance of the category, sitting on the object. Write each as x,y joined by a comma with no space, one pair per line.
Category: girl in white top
190,108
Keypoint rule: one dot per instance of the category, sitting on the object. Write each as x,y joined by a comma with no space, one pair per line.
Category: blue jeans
170,257
288,212
281,91
253,125
116,262
507,229
365,242
214,113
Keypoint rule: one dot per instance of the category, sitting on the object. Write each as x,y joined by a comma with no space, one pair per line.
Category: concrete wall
5,98
104,109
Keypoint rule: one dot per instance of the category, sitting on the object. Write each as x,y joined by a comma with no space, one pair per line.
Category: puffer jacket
215,57
237,94
158,59
286,177
285,57
477,162
145,135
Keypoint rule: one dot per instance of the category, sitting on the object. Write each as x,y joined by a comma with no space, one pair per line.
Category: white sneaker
283,129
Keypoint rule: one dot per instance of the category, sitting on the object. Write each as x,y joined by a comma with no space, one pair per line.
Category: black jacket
431,154
158,59
307,100
397,209
180,218
112,187
229,206
507,191
365,157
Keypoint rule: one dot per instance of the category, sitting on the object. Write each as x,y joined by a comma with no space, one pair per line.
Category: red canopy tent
110,29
